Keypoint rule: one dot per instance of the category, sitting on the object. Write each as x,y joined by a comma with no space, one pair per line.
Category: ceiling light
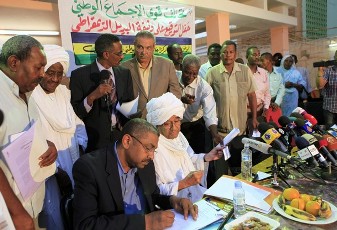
30,32
332,44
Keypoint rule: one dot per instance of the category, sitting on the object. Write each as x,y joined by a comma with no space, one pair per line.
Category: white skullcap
55,54
162,108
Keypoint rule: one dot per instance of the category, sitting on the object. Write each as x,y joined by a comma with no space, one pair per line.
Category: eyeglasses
119,54
148,150
54,73
169,124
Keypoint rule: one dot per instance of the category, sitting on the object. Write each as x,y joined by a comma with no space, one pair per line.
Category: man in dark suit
152,75
115,187
90,94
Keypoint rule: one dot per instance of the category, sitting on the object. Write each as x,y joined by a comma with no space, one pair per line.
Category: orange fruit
298,203
312,207
305,197
291,193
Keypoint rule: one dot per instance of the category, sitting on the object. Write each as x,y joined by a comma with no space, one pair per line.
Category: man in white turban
179,171
61,125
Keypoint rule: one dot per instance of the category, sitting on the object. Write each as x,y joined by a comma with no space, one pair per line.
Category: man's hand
289,84
188,99
192,178
217,138
255,123
274,106
49,156
102,90
159,220
215,154
184,206
23,221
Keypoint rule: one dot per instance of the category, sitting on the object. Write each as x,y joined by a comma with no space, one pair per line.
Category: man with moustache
94,100
213,53
115,187
232,84
152,75
22,62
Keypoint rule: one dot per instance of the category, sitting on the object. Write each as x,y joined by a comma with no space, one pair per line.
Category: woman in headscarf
293,83
62,126
179,171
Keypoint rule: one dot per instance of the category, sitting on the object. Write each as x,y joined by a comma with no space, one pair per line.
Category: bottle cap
246,145
238,184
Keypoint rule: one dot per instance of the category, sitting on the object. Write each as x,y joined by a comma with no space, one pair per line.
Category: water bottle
239,200
246,163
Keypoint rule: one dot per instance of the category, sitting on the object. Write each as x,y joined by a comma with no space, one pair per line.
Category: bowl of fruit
304,208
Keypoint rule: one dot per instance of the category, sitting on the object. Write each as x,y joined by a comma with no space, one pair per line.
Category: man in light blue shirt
277,88
213,54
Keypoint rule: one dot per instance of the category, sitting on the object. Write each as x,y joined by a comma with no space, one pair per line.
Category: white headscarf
162,108
55,54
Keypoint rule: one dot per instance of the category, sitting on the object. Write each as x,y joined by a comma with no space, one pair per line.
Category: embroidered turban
54,54
162,108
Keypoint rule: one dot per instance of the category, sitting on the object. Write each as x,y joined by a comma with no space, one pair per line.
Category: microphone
306,151
281,131
287,125
314,124
297,115
266,149
312,140
322,146
332,144
300,123
300,111
270,136
104,77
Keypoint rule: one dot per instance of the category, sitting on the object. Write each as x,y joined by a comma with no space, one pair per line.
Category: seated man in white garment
179,171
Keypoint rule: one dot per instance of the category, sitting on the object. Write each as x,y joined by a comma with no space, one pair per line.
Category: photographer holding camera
328,84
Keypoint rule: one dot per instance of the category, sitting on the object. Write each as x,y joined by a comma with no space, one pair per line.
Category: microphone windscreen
261,119
310,138
301,142
284,121
292,119
297,115
310,118
1,117
332,142
275,126
299,122
104,75
323,143
263,127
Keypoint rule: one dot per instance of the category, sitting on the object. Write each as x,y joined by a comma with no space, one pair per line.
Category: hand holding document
22,157
128,108
226,141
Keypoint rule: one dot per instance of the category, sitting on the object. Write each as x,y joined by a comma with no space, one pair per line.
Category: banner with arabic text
82,21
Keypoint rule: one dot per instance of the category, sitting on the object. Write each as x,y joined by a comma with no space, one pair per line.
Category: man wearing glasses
115,187
94,95
152,75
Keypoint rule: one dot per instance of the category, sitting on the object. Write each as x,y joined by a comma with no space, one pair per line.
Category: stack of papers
208,213
223,189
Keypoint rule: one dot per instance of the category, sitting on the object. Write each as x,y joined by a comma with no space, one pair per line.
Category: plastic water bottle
239,200
246,163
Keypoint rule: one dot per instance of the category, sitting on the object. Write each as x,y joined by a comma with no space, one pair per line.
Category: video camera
325,63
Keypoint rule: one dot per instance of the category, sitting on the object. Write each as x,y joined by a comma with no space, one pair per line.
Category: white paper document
223,189
128,108
22,157
228,139
208,213
6,222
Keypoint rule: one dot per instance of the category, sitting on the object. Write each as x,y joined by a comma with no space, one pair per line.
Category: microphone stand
275,169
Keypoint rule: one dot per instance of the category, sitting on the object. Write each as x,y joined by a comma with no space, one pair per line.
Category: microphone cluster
315,146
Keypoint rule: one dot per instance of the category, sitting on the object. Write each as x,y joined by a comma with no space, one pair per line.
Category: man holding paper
22,62
94,95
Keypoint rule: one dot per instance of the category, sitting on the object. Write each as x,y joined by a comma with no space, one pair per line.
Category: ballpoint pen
226,219
209,203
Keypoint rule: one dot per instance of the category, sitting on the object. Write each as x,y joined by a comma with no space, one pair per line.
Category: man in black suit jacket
102,198
89,93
